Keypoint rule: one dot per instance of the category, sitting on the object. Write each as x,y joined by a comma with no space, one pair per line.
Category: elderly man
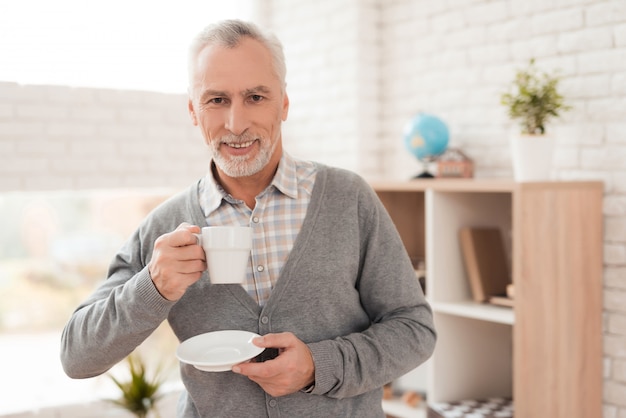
329,285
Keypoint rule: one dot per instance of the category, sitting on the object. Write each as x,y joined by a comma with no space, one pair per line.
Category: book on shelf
486,265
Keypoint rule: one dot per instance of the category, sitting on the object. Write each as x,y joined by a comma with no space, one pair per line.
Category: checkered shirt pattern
275,220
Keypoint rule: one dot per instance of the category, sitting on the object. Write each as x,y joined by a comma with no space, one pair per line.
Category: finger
276,377
254,370
170,248
189,253
184,235
279,340
192,267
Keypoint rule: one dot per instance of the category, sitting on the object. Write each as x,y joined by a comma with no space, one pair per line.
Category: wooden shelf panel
473,310
454,185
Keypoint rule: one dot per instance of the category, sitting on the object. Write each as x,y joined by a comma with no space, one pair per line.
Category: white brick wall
357,71
75,138
332,80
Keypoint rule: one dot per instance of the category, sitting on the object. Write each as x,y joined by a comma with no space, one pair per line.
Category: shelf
398,409
452,185
491,313
544,349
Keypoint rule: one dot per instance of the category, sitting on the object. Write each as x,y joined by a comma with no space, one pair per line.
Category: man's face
237,101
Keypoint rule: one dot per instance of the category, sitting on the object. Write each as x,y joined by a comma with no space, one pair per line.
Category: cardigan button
265,320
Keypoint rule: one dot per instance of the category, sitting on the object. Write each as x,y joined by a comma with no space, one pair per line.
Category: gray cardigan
348,290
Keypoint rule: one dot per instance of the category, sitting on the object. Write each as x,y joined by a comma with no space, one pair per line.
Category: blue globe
426,136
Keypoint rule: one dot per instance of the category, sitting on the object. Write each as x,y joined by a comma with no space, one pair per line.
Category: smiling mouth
239,145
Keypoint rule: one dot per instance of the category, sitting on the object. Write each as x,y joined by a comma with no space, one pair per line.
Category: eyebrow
257,89
246,92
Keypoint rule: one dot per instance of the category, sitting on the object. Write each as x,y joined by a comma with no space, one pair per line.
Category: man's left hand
291,371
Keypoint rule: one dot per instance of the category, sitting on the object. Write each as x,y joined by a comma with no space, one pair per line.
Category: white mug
227,249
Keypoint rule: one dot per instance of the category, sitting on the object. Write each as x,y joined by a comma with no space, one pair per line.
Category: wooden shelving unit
546,351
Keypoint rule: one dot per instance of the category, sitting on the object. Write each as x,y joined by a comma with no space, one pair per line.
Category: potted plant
140,394
533,100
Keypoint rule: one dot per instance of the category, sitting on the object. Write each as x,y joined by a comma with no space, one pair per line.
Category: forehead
246,65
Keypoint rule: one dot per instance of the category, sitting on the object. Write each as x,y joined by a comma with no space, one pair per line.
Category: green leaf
534,99
140,394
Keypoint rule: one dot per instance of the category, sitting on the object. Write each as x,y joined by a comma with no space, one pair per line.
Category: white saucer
218,351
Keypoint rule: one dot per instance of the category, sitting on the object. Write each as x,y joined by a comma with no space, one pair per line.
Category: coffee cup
227,250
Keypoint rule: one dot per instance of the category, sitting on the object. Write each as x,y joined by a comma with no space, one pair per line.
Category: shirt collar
286,177
285,180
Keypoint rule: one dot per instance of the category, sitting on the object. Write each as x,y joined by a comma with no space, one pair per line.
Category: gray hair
228,33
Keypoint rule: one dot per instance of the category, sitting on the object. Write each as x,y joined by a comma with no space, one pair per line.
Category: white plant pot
532,156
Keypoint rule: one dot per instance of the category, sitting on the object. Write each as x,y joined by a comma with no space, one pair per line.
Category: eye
216,100
256,98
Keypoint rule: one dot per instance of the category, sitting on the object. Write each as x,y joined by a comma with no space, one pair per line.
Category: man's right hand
177,261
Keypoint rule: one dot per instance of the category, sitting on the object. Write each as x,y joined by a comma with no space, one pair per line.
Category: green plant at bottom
140,394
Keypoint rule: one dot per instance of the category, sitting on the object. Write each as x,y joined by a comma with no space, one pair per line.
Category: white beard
242,166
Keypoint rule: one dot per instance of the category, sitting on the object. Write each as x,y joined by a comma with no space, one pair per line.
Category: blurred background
94,133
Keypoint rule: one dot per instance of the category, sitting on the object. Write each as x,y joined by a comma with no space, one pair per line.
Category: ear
285,111
192,112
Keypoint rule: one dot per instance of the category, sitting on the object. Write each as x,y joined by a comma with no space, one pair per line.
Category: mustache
237,139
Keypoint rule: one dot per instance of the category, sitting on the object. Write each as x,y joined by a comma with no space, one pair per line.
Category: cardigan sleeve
119,316
126,308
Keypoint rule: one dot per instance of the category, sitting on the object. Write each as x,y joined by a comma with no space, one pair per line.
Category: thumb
280,340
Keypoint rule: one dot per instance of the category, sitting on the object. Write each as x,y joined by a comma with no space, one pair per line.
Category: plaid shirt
276,219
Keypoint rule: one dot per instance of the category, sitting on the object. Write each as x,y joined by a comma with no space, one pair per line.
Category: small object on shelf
510,290
533,100
504,300
484,408
454,163
485,262
501,301
403,403
388,391
412,399
426,137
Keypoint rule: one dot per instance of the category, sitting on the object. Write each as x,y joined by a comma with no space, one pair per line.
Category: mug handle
198,239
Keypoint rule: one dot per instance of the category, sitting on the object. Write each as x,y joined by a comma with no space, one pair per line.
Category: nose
237,119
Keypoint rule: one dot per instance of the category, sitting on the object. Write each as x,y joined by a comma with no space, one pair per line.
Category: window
121,44
55,247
